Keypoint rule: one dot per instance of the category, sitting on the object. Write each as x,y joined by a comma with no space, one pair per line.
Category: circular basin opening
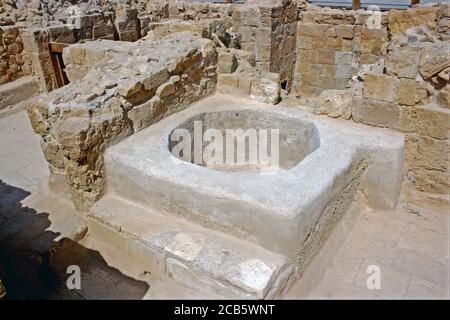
244,140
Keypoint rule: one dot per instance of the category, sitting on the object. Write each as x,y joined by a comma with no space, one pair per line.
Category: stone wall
78,29
332,45
405,89
268,29
39,23
128,90
411,95
14,63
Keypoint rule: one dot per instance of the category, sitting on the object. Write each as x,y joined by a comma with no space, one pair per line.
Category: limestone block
227,83
326,57
411,92
72,135
251,16
429,180
443,97
61,34
345,31
311,30
427,161
319,43
266,89
147,113
371,46
426,152
18,90
37,113
248,34
403,61
227,62
376,113
83,34
329,71
305,43
373,34
401,20
244,83
305,90
244,57
368,58
52,152
74,54
429,120
129,88
103,31
335,104
334,43
166,90
434,59
379,87
345,58
347,45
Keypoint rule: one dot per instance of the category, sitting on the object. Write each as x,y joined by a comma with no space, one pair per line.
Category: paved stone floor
410,246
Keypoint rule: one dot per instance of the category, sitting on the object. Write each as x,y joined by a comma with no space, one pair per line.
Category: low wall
119,96
14,63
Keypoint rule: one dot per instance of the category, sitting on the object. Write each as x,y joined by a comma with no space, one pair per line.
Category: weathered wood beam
57,46
356,4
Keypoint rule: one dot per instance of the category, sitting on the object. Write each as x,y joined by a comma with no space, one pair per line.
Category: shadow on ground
35,262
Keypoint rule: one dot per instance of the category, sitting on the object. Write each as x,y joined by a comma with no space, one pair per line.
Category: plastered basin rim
267,141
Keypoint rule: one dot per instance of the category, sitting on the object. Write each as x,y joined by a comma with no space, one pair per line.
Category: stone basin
322,164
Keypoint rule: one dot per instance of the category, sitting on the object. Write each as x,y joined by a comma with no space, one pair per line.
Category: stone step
200,258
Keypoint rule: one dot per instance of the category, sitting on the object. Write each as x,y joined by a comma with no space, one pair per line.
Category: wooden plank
57,47
56,70
62,72
356,4
413,2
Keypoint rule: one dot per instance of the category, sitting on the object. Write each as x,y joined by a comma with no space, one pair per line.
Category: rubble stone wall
128,90
199,10
14,63
80,29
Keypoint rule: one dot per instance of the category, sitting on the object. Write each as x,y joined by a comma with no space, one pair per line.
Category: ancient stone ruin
359,99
